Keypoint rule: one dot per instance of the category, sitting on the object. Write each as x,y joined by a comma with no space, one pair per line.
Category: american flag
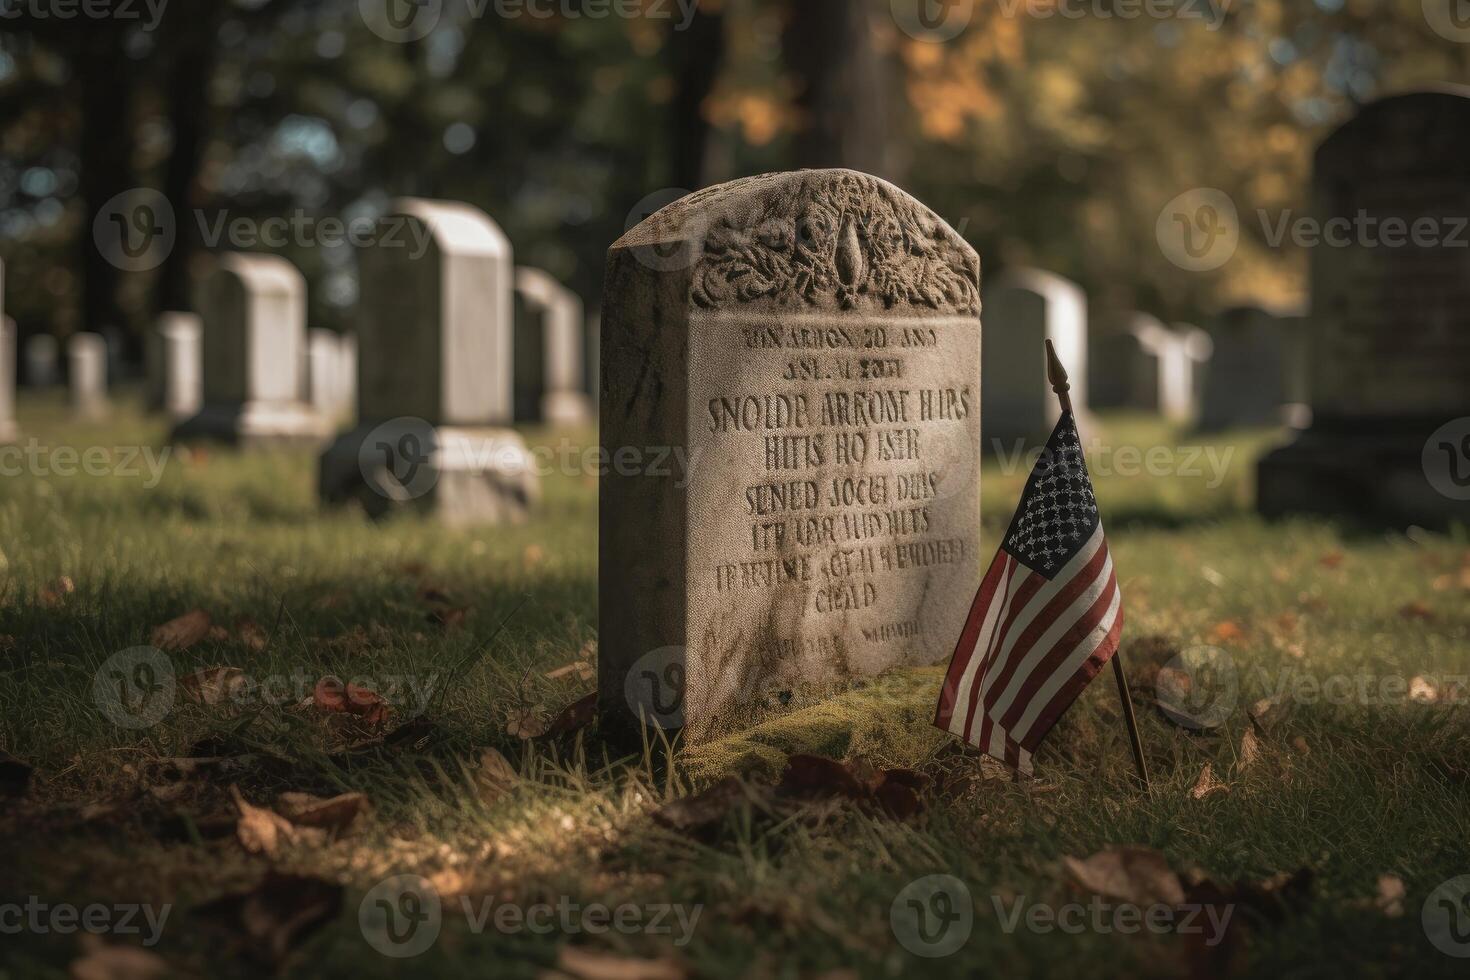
1046,618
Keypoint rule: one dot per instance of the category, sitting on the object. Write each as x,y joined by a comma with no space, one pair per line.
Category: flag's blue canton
1058,511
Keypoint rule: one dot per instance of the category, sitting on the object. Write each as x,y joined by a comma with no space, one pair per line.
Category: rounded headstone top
1423,130
812,239
457,228
538,286
260,272
1055,288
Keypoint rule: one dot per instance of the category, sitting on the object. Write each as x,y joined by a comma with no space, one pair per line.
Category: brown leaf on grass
1208,785
277,914
697,813
1250,751
333,814
1332,559
586,964
817,777
334,697
1416,610
448,617
533,555
1422,690
579,670
330,600
1228,631
495,777
213,685
252,637
1130,873
15,776
899,793
526,723
260,830
182,632
574,717
101,960
1265,713
55,593
1301,746
1390,896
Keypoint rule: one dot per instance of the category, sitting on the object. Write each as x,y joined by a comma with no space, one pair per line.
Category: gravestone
86,357
1186,354
8,429
347,375
791,419
253,308
175,365
434,373
1247,380
1389,351
548,351
1145,366
327,389
1023,309
41,356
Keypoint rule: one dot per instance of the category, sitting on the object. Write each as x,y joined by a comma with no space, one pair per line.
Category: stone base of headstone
258,425
467,476
566,408
1377,478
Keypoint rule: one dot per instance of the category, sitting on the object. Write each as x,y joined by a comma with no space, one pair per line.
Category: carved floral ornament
852,240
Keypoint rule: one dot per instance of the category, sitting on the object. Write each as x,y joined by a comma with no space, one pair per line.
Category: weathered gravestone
548,351
41,356
254,312
1389,354
328,389
791,423
1247,380
434,373
8,429
86,356
1024,308
175,365
1147,367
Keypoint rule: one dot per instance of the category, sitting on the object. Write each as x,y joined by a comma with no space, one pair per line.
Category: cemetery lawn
1358,780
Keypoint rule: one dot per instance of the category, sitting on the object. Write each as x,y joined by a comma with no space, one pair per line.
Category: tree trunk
842,87
106,155
695,56
188,82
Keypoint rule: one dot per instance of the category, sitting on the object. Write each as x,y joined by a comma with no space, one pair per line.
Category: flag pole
1057,376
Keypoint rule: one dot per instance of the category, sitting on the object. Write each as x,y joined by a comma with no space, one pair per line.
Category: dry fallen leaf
586,964
1207,785
101,960
181,633
1416,610
577,670
449,617
1228,631
252,637
276,914
334,813
1250,751
1331,560
261,831
495,777
332,696
1390,897
575,716
1130,873
526,723
1422,690
213,685
1301,746
700,811
55,594
1265,713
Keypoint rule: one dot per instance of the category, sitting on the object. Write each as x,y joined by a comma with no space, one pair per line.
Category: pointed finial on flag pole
1056,374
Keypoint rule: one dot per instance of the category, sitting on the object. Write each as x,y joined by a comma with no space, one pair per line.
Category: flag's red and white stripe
1029,647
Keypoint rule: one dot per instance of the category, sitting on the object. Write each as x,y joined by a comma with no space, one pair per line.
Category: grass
1356,780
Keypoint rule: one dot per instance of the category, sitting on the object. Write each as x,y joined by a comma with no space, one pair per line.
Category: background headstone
1247,380
1187,354
1123,367
42,355
1023,309
790,411
327,387
434,373
175,366
549,351
1389,355
8,429
253,308
86,356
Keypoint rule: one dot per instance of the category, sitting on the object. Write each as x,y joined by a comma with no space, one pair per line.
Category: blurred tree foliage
1049,132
